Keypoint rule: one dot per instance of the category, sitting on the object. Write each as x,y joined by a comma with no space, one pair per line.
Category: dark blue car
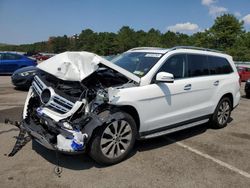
23,77
10,62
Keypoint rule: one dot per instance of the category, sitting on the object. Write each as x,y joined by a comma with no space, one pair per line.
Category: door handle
216,83
187,87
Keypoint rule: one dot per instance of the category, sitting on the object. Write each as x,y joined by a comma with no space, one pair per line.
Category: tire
248,95
108,148
222,113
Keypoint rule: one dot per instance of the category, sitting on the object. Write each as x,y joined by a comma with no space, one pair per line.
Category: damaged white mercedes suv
81,102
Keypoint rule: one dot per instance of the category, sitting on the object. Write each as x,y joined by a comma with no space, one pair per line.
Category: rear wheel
113,142
222,113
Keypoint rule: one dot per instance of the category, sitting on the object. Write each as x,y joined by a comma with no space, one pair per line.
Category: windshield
138,63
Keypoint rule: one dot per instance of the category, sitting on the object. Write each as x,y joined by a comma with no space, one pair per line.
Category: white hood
75,66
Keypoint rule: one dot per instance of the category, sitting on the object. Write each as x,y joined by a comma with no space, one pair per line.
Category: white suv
81,102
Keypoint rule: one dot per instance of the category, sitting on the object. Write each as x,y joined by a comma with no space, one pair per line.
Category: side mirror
165,77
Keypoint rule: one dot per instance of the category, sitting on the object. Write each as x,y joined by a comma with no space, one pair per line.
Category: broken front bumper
48,129
55,130
48,140
38,133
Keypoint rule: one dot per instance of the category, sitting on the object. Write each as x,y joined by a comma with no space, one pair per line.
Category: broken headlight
28,73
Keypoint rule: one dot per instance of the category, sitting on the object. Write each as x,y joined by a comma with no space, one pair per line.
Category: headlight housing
28,73
248,81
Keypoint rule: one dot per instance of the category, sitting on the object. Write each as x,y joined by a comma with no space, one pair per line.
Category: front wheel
222,113
114,141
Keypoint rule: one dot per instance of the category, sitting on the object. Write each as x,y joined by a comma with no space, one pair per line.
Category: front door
168,103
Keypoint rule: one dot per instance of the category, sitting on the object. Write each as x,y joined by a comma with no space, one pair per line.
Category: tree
87,40
126,39
141,37
226,34
106,43
225,31
169,39
153,38
241,48
202,39
59,44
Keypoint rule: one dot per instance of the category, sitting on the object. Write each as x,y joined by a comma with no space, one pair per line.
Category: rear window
219,65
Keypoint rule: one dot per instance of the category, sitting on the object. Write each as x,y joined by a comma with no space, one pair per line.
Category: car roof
185,49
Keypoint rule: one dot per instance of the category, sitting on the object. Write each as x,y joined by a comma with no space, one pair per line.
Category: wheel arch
111,109
133,112
230,96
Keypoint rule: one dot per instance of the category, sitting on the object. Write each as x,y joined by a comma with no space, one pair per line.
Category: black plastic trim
145,133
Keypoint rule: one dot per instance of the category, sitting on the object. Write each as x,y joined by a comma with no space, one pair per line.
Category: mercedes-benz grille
56,102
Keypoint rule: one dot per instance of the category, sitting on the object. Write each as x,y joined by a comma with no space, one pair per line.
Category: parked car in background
10,62
247,88
43,56
22,78
244,73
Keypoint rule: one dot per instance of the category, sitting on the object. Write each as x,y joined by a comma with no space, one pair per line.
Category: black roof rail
195,48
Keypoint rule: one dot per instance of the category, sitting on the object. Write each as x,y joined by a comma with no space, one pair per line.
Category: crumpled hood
75,66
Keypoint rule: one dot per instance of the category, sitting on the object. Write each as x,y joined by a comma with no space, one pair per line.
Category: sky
29,21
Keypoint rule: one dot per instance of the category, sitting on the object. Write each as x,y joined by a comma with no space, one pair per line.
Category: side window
175,65
197,65
11,56
219,65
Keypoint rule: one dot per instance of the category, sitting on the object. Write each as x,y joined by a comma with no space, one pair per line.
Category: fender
101,119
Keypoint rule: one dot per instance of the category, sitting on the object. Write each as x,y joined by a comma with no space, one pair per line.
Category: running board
168,131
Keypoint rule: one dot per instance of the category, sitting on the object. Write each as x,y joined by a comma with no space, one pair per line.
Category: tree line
226,34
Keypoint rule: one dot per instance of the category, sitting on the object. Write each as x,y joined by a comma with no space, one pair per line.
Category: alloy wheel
116,138
223,112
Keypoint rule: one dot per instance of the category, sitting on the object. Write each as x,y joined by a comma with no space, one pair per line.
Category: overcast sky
28,21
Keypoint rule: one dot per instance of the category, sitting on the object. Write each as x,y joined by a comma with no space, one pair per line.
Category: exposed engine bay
64,108
62,114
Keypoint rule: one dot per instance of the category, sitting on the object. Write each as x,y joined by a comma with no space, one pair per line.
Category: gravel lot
197,157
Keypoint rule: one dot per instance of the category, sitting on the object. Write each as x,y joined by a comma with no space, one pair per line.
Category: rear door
202,86
220,72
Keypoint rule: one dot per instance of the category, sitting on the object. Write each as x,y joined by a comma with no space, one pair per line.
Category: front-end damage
70,98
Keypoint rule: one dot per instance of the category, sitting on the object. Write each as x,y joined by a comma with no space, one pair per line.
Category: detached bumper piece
66,141
37,134
22,138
